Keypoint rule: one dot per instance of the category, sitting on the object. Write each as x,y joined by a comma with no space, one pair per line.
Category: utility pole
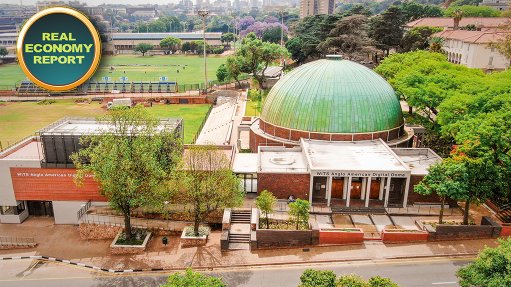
235,28
203,13
282,35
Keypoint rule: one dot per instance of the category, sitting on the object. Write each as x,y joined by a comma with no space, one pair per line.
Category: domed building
332,132
330,99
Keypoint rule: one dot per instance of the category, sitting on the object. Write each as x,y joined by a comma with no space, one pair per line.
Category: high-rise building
316,7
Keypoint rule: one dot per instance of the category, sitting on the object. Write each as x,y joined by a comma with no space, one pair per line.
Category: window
248,182
13,210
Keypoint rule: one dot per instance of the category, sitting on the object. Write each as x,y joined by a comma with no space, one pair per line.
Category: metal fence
83,210
199,130
150,224
14,241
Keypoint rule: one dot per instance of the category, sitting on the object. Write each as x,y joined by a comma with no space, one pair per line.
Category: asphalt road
410,272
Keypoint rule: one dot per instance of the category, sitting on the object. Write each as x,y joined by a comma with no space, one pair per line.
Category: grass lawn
19,120
191,69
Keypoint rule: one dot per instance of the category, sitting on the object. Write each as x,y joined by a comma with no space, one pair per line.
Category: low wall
341,236
98,231
277,238
488,229
402,235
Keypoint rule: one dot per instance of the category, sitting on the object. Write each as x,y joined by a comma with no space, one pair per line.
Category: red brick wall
399,237
415,197
52,184
284,185
340,237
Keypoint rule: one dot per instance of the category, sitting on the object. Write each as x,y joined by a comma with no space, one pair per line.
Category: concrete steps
241,216
239,238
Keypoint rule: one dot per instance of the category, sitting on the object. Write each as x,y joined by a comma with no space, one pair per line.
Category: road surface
409,273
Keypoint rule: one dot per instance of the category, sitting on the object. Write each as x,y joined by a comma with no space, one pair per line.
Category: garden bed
188,238
276,224
137,244
331,236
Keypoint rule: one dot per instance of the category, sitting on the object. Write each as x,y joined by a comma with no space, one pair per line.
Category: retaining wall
341,236
401,236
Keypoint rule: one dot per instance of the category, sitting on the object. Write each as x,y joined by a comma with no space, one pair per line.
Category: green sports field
22,119
138,68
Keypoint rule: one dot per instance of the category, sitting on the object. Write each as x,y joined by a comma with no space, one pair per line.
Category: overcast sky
98,2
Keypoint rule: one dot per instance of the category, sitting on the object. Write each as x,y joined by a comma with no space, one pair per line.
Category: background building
497,4
481,23
316,7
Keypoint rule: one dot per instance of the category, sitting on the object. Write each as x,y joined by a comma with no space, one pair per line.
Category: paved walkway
63,242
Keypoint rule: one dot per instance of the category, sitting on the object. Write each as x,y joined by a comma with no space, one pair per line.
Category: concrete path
381,221
405,222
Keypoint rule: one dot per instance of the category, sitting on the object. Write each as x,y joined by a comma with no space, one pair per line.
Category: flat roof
280,159
91,126
32,151
372,155
245,163
418,160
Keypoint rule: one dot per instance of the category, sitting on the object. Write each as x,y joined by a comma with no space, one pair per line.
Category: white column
363,188
329,189
348,195
344,188
407,186
310,189
382,187
387,192
368,191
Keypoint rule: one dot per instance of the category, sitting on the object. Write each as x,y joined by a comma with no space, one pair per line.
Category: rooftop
282,160
87,126
245,163
160,36
476,37
482,22
418,160
359,156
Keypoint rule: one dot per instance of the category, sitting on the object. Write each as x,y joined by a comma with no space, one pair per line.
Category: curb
119,271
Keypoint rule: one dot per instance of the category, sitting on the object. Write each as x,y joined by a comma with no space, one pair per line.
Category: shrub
192,278
317,278
46,102
299,211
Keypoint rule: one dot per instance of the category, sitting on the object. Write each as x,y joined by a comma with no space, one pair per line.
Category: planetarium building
332,132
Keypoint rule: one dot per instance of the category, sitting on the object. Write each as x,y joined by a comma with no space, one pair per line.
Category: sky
98,2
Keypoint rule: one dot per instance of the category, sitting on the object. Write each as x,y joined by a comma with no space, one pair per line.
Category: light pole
282,36
203,13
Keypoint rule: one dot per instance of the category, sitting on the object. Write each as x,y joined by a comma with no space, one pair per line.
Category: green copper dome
333,95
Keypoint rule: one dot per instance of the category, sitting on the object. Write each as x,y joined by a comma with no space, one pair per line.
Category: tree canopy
472,11
171,43
3,52
143,48
190,278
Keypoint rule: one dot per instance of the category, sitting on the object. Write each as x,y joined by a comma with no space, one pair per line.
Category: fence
12,241
150,224
83,210
423,210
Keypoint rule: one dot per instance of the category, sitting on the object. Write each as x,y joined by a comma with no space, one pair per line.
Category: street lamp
203,13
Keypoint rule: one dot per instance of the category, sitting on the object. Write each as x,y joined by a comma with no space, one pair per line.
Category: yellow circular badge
59,48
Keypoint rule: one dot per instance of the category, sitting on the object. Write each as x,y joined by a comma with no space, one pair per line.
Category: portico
365,173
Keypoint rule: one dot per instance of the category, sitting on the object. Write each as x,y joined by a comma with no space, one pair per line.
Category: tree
413,11
444,179
295,47
273,35
228,38
3,52
206,183
491,268
190,278
234,66
377,281
317,278
436,44
171,43
504,42
387,29
143,48
350,38
222,74
265,202
472,11
131,161
357,9
418,38
199,46
353,280
257,55
299,211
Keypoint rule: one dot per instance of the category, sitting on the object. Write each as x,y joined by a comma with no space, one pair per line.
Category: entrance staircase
239,234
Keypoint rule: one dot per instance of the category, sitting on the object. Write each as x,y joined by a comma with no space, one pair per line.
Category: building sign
53,184
359,173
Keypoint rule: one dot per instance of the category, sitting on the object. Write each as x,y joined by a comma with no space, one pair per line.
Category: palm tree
457,15
435,44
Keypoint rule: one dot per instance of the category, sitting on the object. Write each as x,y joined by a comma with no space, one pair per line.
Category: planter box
90,231
117,249
506,230
403,235
341,236
270,238
192,241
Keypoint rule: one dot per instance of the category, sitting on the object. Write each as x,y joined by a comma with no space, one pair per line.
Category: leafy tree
143,48
435,44
317,278
205,182
504,43
350,38
199,46
222,74
299,211
294,46
417,38
378,281
273,35
190,278
265,201
357,9
228,38
387,29
3,52
472,11
491,268
444,179
171,43
413,11
257,55
353,280
234,67
131,161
